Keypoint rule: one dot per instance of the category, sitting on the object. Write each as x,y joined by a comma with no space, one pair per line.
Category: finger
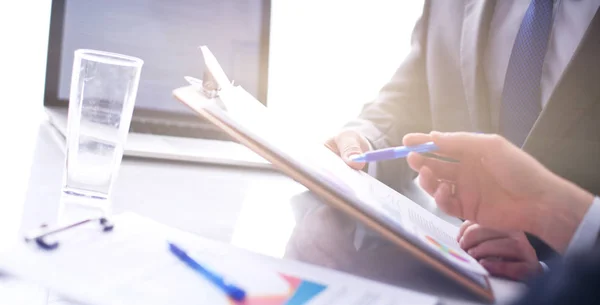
441,169
457,144
330,143
512,270
447,201
463,227
349,144
415,161
476,234
412,139
505,248
353,164
428,181
416,139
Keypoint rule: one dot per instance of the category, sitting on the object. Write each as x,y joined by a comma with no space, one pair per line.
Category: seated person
497,185
507,254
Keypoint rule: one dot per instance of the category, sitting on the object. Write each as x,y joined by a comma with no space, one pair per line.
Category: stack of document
133,265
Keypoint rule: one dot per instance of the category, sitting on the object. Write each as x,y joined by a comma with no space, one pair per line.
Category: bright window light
330,57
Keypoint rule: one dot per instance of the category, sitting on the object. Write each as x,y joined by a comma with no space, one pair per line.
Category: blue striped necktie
521,96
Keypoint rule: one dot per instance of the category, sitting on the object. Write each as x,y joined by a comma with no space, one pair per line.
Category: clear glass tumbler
103,91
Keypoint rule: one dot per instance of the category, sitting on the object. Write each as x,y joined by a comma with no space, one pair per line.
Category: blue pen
232,291
394,152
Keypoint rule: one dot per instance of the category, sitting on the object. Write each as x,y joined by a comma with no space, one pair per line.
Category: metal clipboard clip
40,238
214,78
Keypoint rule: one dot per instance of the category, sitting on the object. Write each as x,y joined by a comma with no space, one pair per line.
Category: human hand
347,144
501,253
499,186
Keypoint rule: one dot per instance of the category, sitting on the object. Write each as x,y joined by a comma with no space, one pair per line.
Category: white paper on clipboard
249,114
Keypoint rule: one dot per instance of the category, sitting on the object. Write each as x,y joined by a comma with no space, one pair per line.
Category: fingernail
352,157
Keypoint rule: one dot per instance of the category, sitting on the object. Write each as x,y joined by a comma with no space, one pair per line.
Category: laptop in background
167,36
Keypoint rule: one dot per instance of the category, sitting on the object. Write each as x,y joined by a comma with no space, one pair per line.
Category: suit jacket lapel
577,90
477,17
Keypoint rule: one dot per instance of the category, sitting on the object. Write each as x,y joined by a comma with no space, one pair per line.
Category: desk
259,210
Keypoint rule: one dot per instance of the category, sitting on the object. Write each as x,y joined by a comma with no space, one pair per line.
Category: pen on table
394,152
231,290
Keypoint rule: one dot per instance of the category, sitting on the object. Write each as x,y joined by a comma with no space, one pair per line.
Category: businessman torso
566,136
452,81
452,78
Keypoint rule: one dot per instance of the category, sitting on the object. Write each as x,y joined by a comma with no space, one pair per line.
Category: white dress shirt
586,234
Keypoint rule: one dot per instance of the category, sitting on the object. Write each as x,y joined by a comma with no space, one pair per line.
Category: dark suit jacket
574,281
441,86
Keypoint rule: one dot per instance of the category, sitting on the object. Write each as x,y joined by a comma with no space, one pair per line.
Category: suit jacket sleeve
570,281
401,107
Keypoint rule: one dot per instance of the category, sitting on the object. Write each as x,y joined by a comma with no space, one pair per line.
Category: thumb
457,144
350,143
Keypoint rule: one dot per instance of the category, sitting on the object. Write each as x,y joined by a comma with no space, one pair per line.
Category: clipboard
225,105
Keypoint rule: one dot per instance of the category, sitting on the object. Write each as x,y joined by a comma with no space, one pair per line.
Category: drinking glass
102,97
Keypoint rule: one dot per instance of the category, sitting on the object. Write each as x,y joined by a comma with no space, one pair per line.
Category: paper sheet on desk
428,229
18,292
132,265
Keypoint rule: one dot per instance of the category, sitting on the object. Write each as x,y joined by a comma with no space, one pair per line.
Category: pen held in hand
232,291
394,152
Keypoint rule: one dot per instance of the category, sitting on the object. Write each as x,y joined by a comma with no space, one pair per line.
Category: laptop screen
166,35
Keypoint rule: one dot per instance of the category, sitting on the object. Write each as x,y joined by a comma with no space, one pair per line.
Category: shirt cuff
587,232
544,266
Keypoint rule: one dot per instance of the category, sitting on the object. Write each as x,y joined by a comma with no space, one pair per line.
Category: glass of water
103,91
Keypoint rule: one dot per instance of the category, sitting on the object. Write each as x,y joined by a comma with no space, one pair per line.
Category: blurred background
330,57
326,59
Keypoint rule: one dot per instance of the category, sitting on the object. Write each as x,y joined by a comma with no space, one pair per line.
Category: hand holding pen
355,149
498,185
394,152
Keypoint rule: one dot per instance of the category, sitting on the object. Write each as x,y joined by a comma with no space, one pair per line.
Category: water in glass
102,98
